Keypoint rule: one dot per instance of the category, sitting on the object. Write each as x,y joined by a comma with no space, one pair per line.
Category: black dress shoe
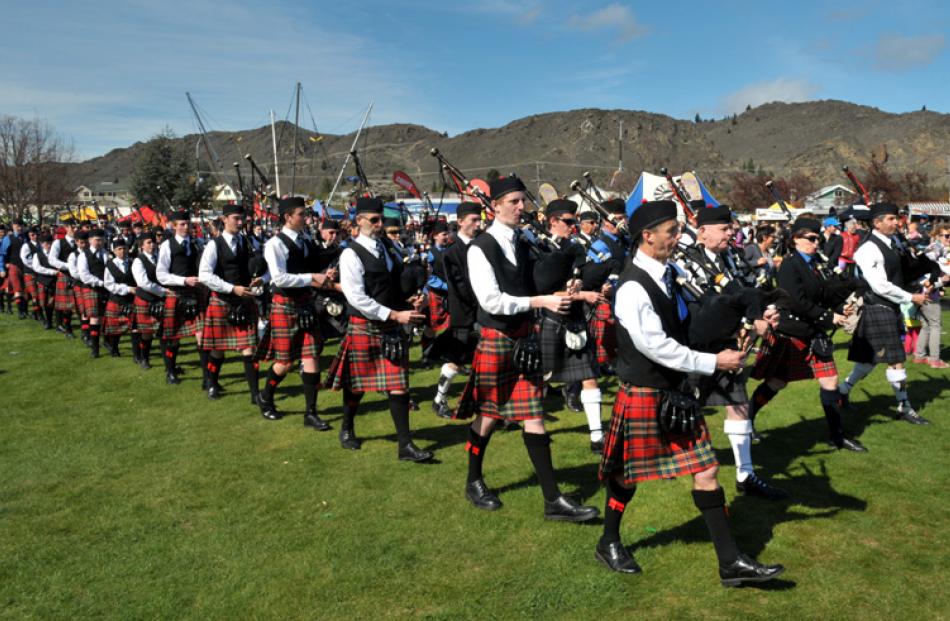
481,497
93,353
616,558
597,447
268,409
69,334
411,452
756,437
563,509
61,329
572,400
171,378
745,569
145,364
311,419
907,413
413,406
214,392
850,444
115,353
348,440
442,410
754,486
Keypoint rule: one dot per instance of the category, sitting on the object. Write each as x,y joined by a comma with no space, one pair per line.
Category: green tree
167,165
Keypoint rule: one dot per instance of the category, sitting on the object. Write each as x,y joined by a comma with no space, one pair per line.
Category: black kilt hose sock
399,410
94,337
617,499
203,357
830,400
475,447
760,398
539,450
310,390
351,403
146,345
251,375
270,385
170,355
713,507
136,345
214,368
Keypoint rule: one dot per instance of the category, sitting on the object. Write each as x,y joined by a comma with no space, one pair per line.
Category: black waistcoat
149,266
230,267
122,278
892,267
182,264
632,366
298,262
379,283
13,251
516,280
462,302
64,250
96,267
44,261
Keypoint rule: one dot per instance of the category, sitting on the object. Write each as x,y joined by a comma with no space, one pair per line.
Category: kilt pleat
360,365
284,342
15,279
115,323
878,336
560,364
218,334
44,293
496,388
174,326
790,359
635,444
147,325
439,318
64,301
28,285
602,329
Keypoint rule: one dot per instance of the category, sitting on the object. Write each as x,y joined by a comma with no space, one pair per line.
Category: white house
829,196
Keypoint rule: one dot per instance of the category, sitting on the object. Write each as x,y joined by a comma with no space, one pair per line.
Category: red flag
405,182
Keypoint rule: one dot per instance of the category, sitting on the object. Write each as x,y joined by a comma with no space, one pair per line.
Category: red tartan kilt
44,293
360,365
15,279
438,312
284,342
603,330
64,295
95,302
174,327
790,360
115,323
218,334
496,388
29,285
145,323
635,444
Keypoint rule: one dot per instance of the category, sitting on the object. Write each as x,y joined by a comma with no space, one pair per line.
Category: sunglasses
374,220
811,238
945,235
569,221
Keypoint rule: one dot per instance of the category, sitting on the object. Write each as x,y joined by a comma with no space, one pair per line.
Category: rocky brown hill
814,138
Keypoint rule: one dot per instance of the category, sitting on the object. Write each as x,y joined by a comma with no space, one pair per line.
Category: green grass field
122,497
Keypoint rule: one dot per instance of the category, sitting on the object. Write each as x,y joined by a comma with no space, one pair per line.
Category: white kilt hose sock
445,379
739,433
897,378
590,399
858,373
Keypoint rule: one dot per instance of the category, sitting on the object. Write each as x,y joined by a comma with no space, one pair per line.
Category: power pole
620,147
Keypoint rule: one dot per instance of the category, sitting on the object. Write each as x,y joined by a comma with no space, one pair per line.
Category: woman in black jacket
785,359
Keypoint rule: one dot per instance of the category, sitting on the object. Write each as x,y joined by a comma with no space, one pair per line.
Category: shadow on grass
754,520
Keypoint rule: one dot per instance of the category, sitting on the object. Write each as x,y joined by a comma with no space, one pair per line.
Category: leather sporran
238,315
527,354
393,345
187,308
305,318
678,411
822,346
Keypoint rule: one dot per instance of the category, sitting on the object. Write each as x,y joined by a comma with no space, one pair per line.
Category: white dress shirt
141,276
276,255
54,252
484,284
39,268
164,264
636,314
870,260
26,255
71,261
113,287
351,278
82,267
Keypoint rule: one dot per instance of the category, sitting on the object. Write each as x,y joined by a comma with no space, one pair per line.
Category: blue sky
107,74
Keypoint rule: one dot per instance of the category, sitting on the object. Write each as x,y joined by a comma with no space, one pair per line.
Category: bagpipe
538,238
597,202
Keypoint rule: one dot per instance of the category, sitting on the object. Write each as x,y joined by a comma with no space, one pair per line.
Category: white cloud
612,17
781,89
894,53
